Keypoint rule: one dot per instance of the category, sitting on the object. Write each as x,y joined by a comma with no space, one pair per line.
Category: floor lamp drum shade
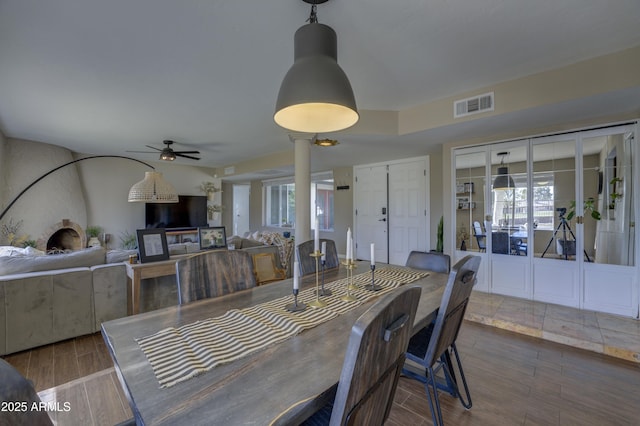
315,95
153,189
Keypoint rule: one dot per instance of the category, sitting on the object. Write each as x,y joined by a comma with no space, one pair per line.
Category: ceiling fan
168,154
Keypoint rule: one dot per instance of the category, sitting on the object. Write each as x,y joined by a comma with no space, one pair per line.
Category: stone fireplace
62,237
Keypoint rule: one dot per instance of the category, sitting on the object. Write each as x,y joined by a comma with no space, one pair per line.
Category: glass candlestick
350,265
317,303
324,291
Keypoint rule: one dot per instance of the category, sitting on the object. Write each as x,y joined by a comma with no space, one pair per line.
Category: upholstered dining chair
14,388
308,263
430,261
214,273
265,268
500,242
480,235
431,348
373,361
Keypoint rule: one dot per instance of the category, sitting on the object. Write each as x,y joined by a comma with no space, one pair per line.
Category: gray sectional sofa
48,298
45,299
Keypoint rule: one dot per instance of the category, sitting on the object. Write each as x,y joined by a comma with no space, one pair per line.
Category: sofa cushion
81,258
120,255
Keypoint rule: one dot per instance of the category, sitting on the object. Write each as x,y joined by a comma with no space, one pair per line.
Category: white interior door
408,215
370,193
240,209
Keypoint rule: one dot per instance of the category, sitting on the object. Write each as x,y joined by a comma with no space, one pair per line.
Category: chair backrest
453,306
477,228
264,265
213,273
480,235
374,359
308,263
500,242
15,388
430,261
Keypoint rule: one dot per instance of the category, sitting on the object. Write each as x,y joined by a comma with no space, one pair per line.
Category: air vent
473,105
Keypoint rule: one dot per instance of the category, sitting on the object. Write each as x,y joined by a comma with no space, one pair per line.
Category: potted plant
93,232
589,206
440,236
128,241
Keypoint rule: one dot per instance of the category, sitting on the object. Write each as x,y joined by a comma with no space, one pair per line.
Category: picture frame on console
212,237
152,245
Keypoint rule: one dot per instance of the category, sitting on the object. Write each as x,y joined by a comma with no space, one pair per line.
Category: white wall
91,192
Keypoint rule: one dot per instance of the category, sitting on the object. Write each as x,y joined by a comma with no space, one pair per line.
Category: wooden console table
136,272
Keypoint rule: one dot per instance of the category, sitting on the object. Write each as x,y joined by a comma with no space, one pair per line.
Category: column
302,179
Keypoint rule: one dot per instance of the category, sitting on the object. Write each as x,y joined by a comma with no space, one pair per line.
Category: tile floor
595,331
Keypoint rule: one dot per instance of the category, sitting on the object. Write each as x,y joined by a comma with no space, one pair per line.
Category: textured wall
58,196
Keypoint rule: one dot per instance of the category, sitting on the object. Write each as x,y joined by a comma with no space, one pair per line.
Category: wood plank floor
514,380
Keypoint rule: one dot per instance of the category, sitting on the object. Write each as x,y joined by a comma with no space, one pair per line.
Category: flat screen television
189,212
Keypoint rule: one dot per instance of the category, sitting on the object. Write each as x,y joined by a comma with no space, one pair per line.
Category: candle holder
373,286
317,303
350,265
295,306
324,291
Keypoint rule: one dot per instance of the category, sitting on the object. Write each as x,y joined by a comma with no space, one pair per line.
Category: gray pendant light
315,95
504,179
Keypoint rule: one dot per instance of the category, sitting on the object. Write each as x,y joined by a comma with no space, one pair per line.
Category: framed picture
462,203
152,245
213,237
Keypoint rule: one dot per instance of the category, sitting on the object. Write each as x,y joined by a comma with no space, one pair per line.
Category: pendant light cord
313,17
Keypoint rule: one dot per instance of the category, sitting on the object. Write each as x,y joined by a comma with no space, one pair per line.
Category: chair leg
449,370
434,402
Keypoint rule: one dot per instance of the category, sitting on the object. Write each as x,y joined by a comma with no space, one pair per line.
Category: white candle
316,237
296,274
352,257
348,243
373,254
324,251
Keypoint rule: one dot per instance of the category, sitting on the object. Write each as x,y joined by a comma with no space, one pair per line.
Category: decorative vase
93,242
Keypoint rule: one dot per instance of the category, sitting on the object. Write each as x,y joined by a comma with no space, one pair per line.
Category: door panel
407,210
371,212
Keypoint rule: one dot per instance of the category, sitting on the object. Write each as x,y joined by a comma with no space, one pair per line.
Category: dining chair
17,390
430,261
214,273
481,236
431,348
308,264
374,358
265,268
500,242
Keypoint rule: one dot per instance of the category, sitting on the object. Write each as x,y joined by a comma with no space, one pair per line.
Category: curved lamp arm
4,212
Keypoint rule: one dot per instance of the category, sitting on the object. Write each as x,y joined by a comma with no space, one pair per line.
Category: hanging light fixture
315,95
153,189
504,179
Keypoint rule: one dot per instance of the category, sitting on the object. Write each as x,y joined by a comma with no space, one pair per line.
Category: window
510,206
279,201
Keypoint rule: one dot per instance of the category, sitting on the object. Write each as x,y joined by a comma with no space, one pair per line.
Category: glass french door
553,217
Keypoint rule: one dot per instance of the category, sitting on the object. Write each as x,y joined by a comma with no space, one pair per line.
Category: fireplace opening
63,237
64,240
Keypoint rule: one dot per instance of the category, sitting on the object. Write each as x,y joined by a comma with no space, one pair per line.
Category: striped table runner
178,354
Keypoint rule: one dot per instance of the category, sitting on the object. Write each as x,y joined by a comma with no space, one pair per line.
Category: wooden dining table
283,383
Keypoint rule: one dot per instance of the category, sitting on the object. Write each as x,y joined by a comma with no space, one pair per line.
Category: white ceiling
105,77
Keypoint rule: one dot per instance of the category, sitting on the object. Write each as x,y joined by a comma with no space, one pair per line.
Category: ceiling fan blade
153,147
142,152
186,156
187,152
